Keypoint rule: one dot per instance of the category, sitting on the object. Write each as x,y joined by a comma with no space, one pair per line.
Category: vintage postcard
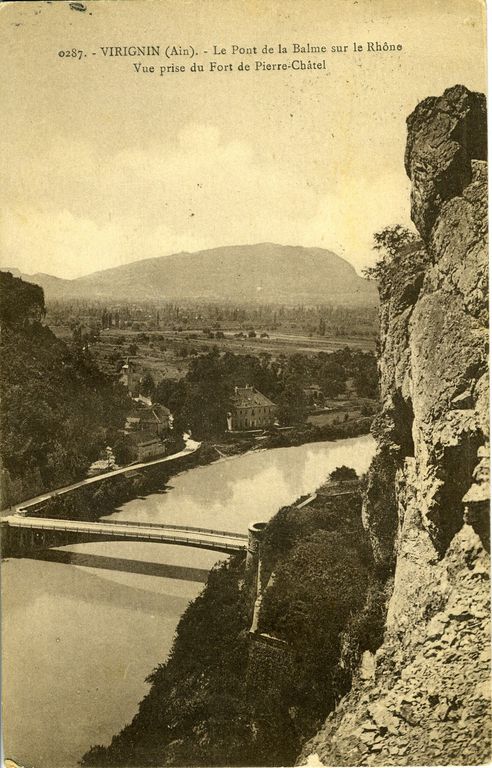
244,435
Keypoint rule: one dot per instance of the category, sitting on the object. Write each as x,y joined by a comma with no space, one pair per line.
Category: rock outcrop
425,697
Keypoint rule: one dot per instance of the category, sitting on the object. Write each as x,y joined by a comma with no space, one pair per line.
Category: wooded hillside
57,409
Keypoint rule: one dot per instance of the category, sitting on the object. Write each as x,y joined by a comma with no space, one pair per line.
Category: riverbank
90,500
224,697
212,450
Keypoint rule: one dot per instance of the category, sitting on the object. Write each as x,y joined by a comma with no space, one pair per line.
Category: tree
171,393
77,333
147,386
392,239
122,451
333,387
316,589
367,410
343,473
205,408
292,407
392,243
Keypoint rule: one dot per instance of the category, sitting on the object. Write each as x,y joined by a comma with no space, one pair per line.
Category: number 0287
73,53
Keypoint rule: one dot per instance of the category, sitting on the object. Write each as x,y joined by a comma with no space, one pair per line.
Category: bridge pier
255,535
253,570
5,537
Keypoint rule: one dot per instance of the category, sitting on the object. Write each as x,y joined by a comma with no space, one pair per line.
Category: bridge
24,535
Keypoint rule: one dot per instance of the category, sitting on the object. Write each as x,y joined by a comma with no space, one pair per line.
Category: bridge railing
169,526
128,523
204,543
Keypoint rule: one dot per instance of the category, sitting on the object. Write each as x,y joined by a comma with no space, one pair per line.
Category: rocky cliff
424,698
57,410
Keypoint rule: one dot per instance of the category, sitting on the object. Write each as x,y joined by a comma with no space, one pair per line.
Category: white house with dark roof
250,410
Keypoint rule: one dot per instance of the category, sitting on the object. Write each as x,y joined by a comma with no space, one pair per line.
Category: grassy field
333,417
275,343
166,353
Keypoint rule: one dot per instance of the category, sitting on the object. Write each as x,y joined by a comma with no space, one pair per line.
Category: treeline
200,401
329,319
224,698
57,409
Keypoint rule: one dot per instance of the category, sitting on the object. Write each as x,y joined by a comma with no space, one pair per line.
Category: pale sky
103,165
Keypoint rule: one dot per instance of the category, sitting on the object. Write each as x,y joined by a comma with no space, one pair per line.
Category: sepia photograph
244,393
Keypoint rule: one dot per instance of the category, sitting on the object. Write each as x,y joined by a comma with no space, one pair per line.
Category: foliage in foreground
222,698
401,260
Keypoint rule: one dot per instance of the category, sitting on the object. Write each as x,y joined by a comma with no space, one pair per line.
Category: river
80,639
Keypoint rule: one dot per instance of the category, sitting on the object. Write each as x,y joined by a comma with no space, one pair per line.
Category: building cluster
150,424
147,429
249,411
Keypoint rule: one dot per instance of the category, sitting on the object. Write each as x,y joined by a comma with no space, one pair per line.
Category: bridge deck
203,538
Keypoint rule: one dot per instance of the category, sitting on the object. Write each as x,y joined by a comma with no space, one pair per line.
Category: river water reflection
80,640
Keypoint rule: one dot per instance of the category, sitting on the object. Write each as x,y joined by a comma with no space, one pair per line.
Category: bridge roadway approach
36,503
24,535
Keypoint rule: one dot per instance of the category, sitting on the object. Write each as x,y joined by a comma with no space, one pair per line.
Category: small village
149,429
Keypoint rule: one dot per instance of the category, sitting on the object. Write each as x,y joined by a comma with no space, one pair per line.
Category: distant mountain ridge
265,272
